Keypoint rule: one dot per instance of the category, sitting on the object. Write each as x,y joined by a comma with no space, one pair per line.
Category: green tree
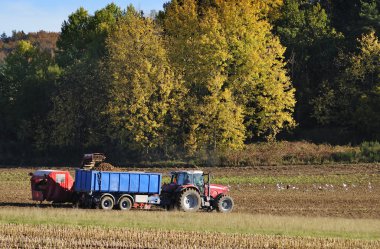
72,43
82,96
353,17
370,16
312,46
77,116
141,84
354,102
26,84
83,36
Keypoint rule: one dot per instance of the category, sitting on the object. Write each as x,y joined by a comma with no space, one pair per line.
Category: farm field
306,206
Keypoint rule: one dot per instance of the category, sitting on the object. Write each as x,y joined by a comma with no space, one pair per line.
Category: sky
48,15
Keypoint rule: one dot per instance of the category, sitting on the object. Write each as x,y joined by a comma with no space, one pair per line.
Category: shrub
370,151
284,152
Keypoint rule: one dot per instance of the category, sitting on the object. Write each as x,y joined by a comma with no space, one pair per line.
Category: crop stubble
53,236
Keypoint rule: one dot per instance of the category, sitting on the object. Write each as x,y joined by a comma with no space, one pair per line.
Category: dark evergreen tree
312,45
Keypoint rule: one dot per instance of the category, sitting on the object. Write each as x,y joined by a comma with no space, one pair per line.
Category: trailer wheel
106,202
125,204
189,201
224,204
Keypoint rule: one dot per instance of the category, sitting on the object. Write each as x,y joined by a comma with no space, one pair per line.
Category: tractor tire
224,204
125,204
189,201
106,203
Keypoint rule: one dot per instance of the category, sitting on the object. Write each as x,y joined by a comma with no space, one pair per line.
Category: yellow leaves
259,79
199,50
140,90
231,65
227,53
181,19
369,53
24,46
370,44
269,8
367,60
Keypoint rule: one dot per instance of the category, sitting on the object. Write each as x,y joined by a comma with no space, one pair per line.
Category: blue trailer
106,189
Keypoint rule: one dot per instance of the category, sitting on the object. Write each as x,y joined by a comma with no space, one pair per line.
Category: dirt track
351,199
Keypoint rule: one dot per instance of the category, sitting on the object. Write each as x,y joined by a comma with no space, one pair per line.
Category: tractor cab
188,178
191,190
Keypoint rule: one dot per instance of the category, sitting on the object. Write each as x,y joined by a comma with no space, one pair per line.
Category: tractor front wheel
189,201
224,204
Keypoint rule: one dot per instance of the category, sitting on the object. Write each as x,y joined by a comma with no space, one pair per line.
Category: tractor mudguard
184,187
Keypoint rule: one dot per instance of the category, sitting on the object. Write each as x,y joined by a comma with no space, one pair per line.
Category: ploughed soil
351,199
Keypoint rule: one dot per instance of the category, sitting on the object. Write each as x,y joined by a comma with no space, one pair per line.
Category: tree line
200,76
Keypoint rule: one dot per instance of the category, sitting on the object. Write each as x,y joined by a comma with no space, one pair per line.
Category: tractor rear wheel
106,203
224,204
189,201
125,204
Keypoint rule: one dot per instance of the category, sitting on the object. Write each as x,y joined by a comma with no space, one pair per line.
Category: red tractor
191,190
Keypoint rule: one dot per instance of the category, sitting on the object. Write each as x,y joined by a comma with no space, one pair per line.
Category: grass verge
234,223
301,179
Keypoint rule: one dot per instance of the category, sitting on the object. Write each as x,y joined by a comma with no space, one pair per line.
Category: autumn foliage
201,76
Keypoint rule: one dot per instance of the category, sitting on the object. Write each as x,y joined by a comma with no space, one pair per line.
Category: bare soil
350,200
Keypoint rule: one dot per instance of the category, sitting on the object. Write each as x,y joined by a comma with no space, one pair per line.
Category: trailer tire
106,202
125,204
224,204
189,201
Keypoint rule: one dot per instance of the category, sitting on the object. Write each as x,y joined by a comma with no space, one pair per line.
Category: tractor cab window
182,179
187,179
198,180
174,179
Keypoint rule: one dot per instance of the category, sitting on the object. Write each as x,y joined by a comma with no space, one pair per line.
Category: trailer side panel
117,182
